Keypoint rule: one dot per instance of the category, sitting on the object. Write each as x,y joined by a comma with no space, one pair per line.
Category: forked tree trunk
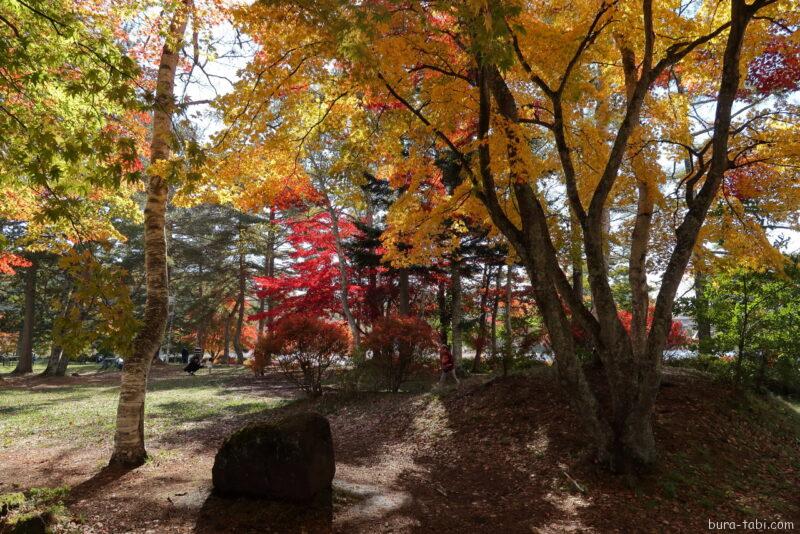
129,449
625,437
25,361
56,352
61,370
57,364
344,280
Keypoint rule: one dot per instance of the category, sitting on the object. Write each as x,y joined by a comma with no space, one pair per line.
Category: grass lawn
86,412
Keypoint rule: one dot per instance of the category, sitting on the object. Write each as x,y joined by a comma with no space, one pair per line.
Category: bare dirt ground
500,455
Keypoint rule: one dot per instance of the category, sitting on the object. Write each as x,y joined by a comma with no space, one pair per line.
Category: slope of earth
499,455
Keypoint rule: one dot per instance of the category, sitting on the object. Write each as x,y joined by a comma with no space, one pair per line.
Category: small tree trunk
742,332
228,321
344,279
762,369
200,337
237,337
480,341
444,314
129,447
455,290
701,309
269,267
57,364
495,307
509,339
25,361
53,362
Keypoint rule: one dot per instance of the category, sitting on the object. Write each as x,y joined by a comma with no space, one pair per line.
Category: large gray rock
290,460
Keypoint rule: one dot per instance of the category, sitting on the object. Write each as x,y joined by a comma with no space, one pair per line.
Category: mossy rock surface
10,501
290,460
30,523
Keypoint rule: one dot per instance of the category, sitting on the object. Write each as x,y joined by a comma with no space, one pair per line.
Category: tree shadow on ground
478,459
93,486
221,514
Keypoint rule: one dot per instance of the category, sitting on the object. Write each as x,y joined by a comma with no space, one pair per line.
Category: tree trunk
576,255
56,353
509,339
228,321
344,279
129,449
269,272
444,314
25,361
762,369
701,309
480,341
63,361
455,315
495,309
237,337
57,364
741,345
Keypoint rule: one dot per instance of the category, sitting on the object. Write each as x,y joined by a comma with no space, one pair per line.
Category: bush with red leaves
397,343
308,344
265,348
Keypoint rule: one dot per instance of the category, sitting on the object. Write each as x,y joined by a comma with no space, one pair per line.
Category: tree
129,447
755,315
500,82
68,115
25,362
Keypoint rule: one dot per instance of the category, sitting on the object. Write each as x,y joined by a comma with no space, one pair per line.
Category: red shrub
310,345
396,343
265,348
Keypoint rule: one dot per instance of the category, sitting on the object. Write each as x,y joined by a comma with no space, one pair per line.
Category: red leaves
8,261
308,335
392,331
748,181
379,106
777,68
313,282
676,337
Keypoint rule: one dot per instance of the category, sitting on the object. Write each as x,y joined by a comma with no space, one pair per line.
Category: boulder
290,460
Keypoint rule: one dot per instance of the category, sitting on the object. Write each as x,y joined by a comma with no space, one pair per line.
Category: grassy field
86,412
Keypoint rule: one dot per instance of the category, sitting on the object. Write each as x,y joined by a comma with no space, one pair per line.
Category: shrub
397,343
310,345
265,348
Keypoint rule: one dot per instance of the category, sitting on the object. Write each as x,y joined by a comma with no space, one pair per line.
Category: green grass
39,366
86,413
